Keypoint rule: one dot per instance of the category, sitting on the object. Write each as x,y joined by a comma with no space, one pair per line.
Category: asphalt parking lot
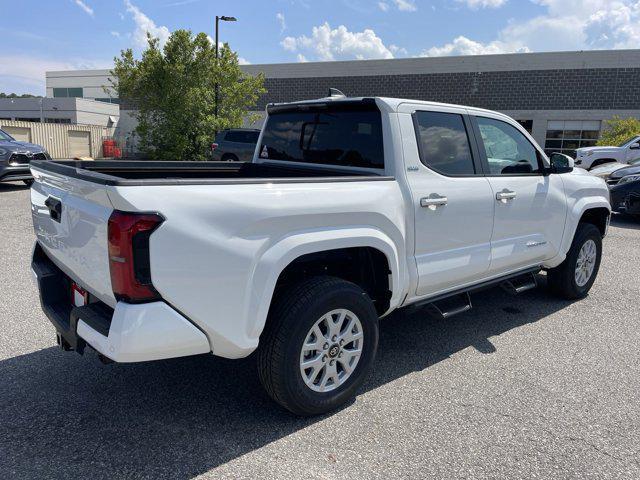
520,387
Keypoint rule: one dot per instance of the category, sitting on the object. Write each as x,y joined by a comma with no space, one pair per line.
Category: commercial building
562,98
76,111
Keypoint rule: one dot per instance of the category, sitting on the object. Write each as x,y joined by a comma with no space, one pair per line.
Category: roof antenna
334,92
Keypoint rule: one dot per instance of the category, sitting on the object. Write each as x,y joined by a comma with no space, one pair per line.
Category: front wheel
318,346
574,277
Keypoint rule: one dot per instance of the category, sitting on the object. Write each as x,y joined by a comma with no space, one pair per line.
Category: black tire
229,157
291,317
28,183
561,280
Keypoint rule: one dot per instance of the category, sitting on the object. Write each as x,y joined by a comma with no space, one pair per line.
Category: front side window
335,135
508,150
444,143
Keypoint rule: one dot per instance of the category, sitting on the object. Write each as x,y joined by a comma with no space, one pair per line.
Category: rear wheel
574,277
318,346
28,183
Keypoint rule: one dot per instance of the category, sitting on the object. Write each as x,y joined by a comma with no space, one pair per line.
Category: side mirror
634,146
561,163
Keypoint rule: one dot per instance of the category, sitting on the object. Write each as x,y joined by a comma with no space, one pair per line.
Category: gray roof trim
457,64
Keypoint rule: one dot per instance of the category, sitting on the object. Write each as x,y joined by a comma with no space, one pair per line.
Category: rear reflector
129,255
214,146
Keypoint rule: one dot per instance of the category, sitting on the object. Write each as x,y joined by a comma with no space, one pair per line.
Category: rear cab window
345,134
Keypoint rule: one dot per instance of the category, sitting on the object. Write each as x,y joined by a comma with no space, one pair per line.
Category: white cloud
405,5
115,34
398,51
87,9
463,46
281,20
301,58
326,43
384,6
243,61
143,25
566,25
476,4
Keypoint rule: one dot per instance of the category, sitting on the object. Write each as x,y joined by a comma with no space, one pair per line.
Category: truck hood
623,172
584,150
20,147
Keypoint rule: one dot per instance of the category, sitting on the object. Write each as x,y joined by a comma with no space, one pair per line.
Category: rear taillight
214,146
128,235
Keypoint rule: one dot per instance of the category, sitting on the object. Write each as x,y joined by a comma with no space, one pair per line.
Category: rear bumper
10,173
128,333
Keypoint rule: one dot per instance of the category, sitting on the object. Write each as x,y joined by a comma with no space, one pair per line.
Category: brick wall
562,89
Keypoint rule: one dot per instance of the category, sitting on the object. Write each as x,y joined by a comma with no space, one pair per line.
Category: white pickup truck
350,209
625,153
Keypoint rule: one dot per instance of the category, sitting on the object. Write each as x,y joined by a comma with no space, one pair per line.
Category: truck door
530,207
452,200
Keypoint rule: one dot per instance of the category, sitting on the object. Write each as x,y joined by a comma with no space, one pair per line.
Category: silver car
235,145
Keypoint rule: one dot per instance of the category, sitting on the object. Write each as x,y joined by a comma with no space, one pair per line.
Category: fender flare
269,266
573,219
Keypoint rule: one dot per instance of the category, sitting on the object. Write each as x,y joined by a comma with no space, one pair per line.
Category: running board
450,306
518,285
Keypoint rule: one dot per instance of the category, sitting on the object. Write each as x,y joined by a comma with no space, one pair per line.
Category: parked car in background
626,152
353,208
624,190
235,145
15,157
604,171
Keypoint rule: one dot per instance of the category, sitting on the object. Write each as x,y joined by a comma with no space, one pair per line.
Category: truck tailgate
70,219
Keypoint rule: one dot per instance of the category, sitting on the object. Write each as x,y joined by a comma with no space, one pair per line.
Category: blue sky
71,34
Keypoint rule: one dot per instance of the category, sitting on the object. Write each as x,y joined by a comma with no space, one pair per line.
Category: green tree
619,129
15,95
173,90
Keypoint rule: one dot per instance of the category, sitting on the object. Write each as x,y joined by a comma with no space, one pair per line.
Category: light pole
224,19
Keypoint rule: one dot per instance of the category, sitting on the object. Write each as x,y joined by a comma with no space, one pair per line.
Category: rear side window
334,135
443,143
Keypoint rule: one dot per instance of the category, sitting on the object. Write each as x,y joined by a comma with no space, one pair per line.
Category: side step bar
453,303
517,285
450,306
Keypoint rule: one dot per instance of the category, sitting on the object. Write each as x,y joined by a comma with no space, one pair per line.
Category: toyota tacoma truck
350,209
625,153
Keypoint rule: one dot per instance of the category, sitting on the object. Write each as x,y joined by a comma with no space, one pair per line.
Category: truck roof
391,103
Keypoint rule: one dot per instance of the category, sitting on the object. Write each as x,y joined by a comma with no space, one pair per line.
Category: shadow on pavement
625,221
63,415
12,187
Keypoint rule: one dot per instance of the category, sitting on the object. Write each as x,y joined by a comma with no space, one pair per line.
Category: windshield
628,140
5,136
337,135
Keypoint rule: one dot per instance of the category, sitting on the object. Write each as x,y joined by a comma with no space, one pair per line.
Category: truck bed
132,173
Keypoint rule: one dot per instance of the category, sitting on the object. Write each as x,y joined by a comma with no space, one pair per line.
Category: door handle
505,195
433,201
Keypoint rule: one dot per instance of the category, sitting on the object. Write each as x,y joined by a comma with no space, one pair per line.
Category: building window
526,124
27,119
565,136
108,100
57,120
68,92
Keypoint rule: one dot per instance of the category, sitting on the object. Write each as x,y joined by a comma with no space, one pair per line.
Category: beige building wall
55,137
